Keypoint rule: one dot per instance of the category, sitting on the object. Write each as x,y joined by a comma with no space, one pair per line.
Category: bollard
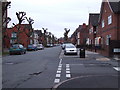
82,53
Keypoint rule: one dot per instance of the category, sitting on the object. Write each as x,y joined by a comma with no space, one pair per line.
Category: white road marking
57,81
60,61
58,71
76,64
58,75
59,66
67,64
67,71
61,54
117,68
68,75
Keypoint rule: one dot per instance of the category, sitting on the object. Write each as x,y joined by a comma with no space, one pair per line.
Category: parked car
40,47
32,47
17,49
70,49
49,45
63,45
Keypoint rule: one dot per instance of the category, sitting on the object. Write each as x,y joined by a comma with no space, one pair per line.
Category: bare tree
5,21
66,34
45,37
21,16
30,32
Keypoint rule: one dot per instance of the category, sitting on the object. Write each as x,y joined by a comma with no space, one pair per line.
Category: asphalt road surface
50,68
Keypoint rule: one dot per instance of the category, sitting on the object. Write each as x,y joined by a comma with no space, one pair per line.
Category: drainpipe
118,26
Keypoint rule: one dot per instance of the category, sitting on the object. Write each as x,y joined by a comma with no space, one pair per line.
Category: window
91,30
78,34
12,41
109,19
103,23
14,34
108,39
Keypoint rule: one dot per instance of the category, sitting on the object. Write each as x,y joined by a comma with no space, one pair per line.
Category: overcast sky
55,14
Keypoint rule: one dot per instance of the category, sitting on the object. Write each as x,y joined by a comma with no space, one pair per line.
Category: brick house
82,35
109,26
22,36
92,26
40,36
79,37
74,36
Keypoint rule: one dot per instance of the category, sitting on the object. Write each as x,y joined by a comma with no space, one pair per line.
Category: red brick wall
24,40
108,29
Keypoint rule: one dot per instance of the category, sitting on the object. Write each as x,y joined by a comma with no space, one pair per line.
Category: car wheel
25,52
10,53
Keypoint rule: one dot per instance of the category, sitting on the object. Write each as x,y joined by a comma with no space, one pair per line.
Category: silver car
70,49
40,47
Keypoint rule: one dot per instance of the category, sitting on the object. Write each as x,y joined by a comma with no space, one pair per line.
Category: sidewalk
99,57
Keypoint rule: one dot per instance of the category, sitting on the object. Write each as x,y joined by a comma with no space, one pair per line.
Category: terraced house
20,33
93,25
108,31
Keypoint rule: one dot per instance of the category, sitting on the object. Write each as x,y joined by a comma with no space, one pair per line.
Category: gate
114,48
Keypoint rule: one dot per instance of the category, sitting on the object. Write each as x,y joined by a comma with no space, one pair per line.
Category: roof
39,32
115,6
93,19
27,26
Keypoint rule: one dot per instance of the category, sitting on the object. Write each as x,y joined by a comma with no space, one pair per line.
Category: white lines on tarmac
58,73
67,69
57,81
67,72
59,69
117,68
68,75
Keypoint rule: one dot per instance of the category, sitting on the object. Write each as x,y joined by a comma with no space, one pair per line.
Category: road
50,68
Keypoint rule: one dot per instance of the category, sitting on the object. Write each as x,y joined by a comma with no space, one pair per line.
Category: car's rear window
15,46
70,46
30,45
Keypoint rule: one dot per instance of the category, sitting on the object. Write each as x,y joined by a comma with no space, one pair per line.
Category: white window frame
78,34
12,41
109,19
103,23
14,34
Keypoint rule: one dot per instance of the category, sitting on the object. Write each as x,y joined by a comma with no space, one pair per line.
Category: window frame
103,23
109,19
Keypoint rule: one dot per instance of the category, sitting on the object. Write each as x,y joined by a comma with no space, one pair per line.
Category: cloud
55,14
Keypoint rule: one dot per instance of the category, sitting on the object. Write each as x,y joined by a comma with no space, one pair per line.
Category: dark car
32,47
17,49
